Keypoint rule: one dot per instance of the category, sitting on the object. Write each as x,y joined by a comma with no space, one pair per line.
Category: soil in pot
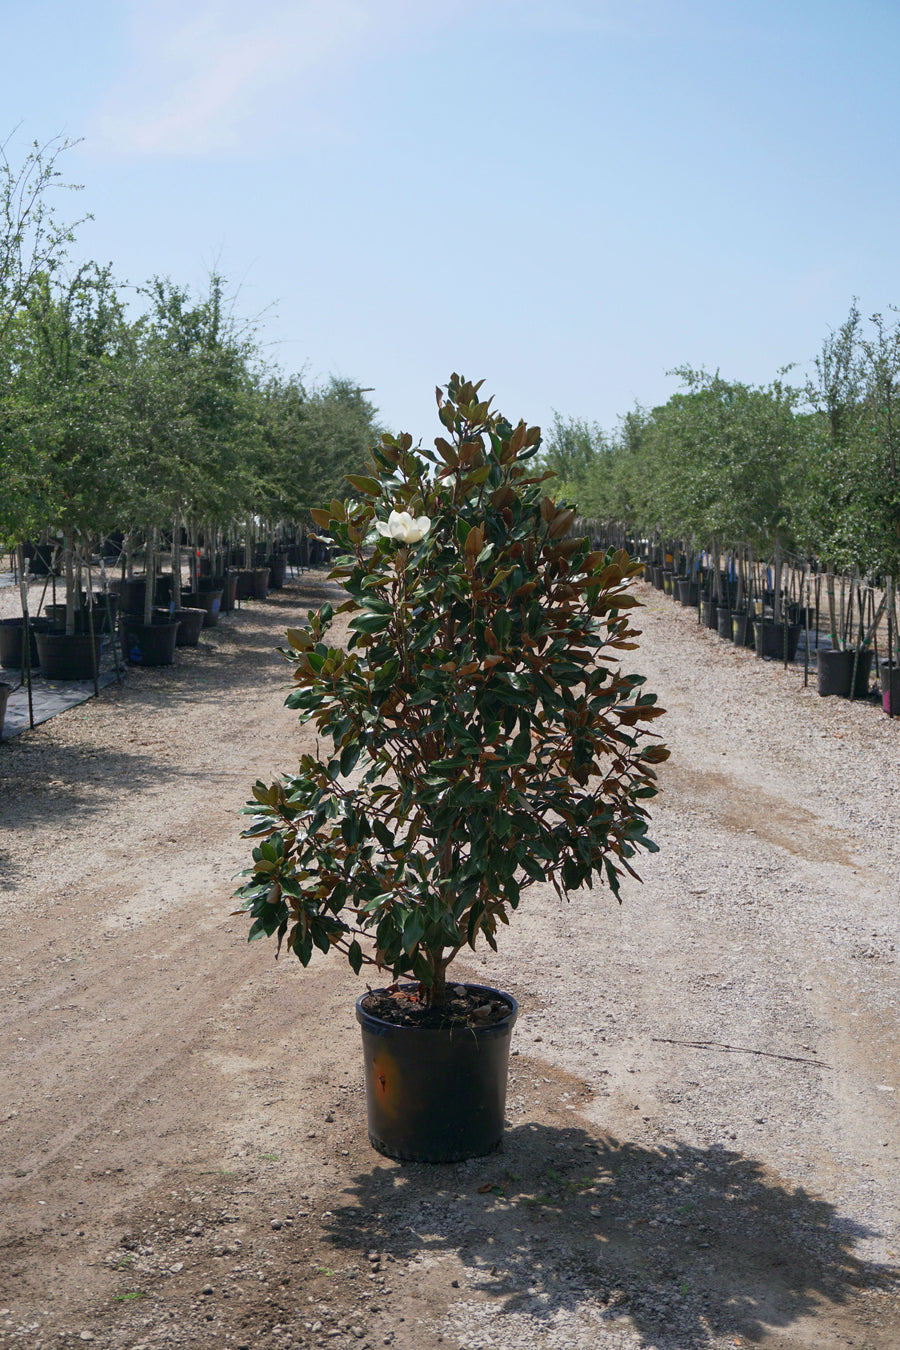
834,672
436,1093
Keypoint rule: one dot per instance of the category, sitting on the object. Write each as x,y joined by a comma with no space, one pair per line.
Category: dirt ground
702,1148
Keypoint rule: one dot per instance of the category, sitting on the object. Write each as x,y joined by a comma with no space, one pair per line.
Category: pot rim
371,1022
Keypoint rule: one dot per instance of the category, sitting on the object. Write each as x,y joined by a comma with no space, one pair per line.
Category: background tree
33,240
69,349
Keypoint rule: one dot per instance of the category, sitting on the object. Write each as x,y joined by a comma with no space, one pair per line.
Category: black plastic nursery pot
64,656
723,622
688,591
229,592
209,601
436,1095
890,687
245,584
742,630
132,593
277,565
657,570
834,672
771,639
5,691
669,583
11,645
56,615
149,644
190,626
709,614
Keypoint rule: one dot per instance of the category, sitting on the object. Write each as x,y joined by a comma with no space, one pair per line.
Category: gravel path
703,1147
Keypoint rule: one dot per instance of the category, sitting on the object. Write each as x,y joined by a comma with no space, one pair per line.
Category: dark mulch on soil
466,1006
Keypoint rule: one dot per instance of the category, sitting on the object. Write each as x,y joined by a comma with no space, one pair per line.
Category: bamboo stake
804,604
26,633
890,639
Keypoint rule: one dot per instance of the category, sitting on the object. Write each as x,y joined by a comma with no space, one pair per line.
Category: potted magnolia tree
483,739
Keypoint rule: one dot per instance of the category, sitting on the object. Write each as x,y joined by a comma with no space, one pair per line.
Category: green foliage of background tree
315,437
33,240
33,243
848,508
69,348
577,452
194,434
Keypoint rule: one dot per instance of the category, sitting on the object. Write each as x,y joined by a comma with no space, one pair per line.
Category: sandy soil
703,1145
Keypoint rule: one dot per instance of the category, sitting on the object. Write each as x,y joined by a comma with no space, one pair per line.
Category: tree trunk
150,573
68,554
176,560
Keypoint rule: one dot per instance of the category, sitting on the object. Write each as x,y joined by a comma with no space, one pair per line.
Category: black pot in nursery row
742,629
835,672
688,591
709,613
64,656
150,644
12,646
889,675
776,640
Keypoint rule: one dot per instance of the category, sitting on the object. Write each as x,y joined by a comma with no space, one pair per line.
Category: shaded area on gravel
721,1247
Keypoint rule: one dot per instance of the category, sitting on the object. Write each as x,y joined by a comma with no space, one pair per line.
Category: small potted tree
484,739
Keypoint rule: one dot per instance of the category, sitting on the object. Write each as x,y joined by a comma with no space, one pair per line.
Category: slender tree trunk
176,560
832,609
150,573
69,558
26,631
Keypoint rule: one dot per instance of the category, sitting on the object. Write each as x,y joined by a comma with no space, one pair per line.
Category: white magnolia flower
403,528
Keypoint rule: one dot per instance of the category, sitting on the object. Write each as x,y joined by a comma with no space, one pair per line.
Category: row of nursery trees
146,410
809,470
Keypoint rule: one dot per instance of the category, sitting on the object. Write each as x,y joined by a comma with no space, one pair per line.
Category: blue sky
565,197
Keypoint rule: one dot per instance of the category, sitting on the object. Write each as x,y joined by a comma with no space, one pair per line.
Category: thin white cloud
199,84
227,75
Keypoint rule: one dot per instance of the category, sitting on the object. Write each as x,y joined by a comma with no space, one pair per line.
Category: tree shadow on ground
688,1243
72,780
230,653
